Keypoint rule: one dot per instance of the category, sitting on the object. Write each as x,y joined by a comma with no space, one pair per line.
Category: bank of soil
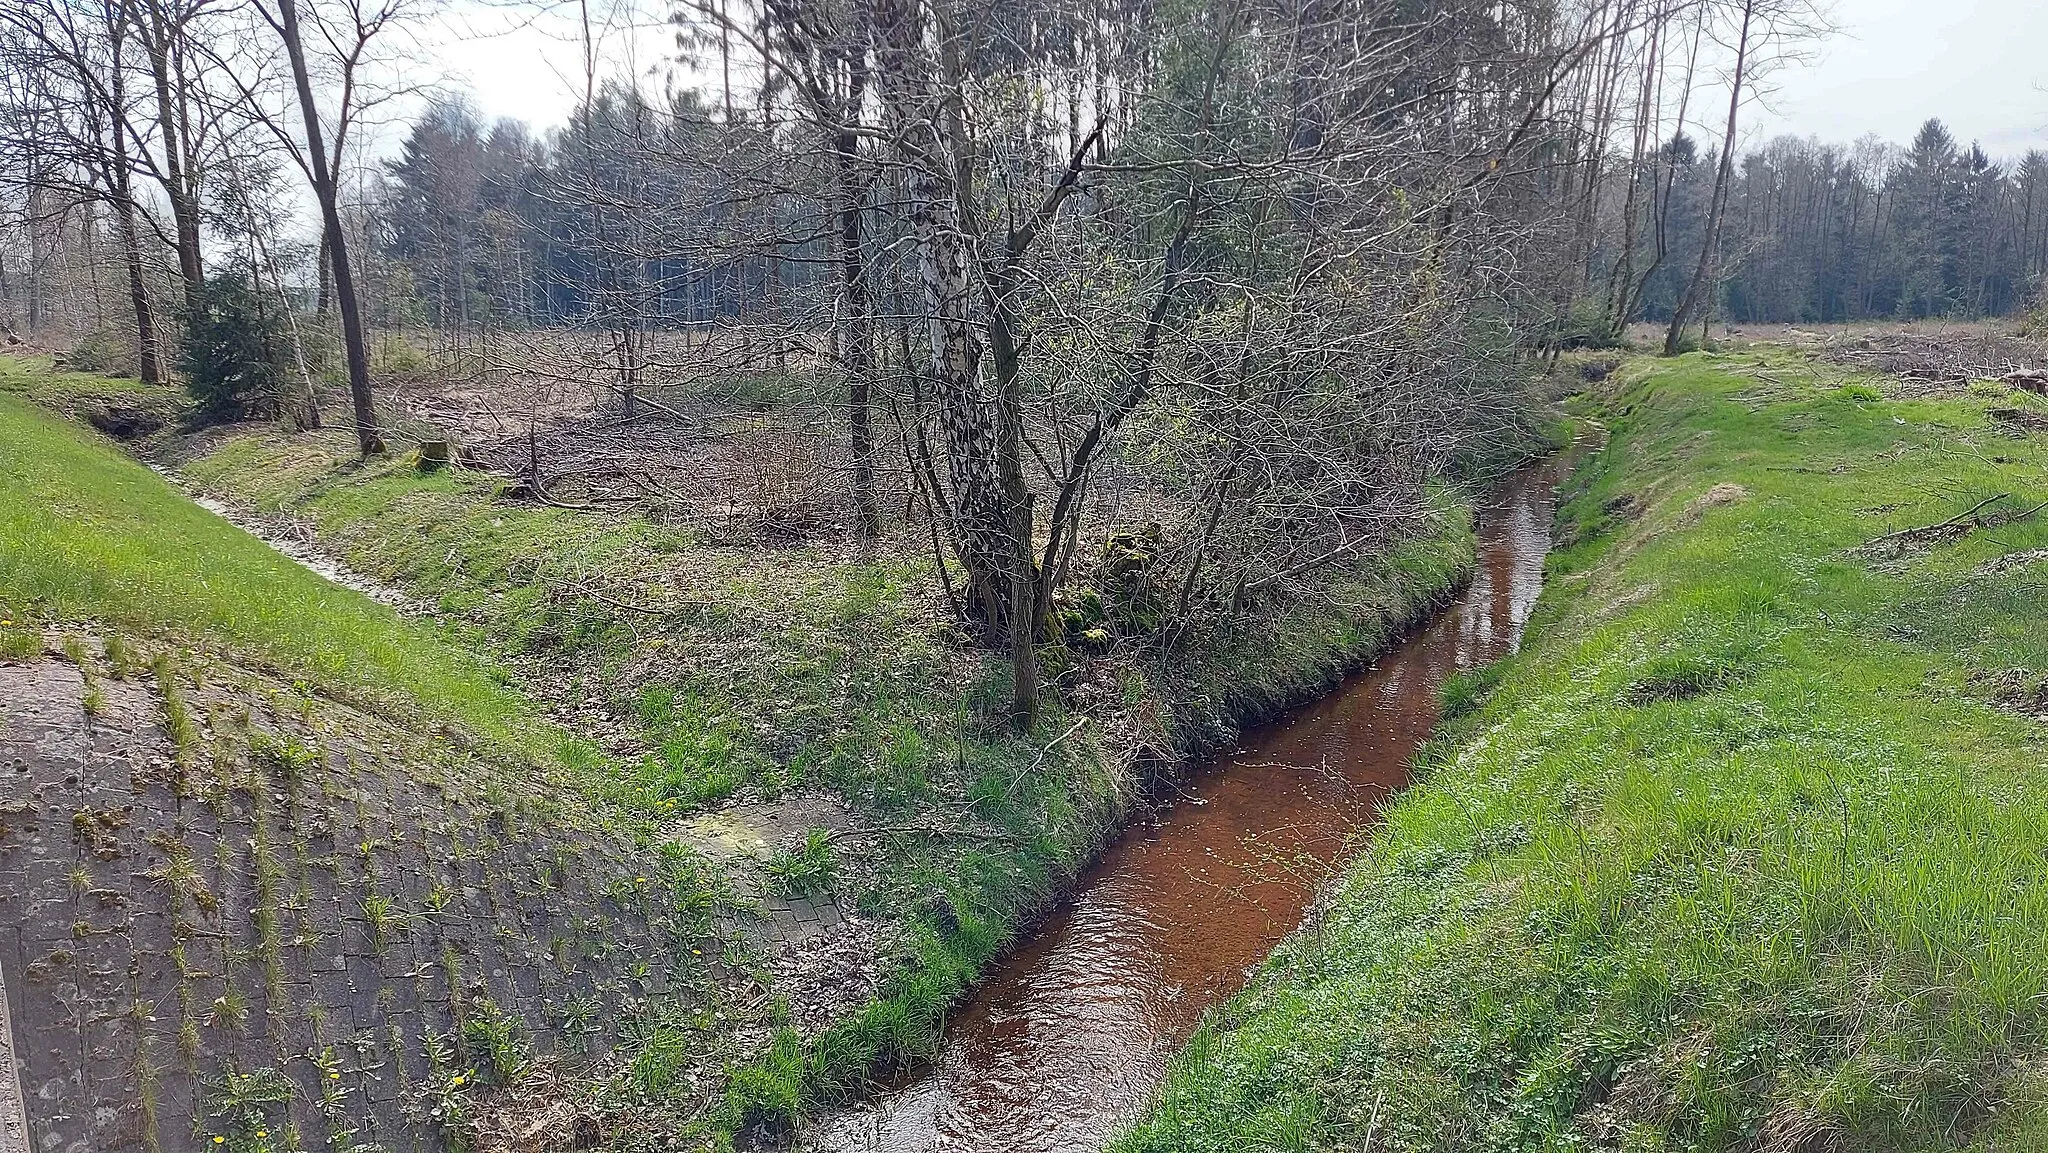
1746,849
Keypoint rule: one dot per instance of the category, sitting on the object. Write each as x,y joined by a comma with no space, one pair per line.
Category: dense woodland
1824,232
1227,281
1817,232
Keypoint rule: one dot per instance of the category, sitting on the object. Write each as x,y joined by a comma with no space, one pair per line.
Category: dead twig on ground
1952,526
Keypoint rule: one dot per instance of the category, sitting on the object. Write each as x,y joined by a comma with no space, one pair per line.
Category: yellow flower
639,880
263,1132
457,1081
220,1140
334,1076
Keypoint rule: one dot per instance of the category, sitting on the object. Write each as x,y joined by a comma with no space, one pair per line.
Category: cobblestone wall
233,909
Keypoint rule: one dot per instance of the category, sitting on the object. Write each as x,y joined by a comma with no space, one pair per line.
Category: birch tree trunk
991,527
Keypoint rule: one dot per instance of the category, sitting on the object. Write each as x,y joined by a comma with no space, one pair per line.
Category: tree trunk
353,338
1023,619
1717,204
37,257
149,361
177,181
1621,301
982,521
323,301
857,345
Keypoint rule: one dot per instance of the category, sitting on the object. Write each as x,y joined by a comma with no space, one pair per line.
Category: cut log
2031,379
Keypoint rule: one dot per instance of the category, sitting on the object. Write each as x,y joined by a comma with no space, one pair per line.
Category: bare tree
69,108
1766,33
348,36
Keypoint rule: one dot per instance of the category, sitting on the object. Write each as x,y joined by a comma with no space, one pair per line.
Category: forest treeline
1826,232
1249,273
1818,232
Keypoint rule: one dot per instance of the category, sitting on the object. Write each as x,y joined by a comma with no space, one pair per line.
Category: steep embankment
803,717
281,869
1747,849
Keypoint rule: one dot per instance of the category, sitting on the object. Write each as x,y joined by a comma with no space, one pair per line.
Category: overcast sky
1980,65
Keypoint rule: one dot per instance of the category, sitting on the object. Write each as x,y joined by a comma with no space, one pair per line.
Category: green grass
808,868
89,535
775,669
1740,852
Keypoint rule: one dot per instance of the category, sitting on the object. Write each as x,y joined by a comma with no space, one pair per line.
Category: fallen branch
1910,533
2028,514
638,397
1040,758
922,830
619,604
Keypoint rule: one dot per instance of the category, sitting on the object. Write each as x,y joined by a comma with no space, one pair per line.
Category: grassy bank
87,534
122,405
1747,849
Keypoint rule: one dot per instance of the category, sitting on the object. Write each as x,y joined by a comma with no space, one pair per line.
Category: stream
1063,1043
298,548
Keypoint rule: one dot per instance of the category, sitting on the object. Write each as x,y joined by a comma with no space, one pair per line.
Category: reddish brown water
1065,1041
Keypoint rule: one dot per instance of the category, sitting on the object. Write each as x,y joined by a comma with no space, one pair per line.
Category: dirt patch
2021,419
2011,562
1797,1127
749,456
1893,546
1715,497
125,422
2018,690
830,974
1626,599
540,1112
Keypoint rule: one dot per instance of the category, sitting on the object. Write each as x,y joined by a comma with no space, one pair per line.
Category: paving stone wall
239,910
